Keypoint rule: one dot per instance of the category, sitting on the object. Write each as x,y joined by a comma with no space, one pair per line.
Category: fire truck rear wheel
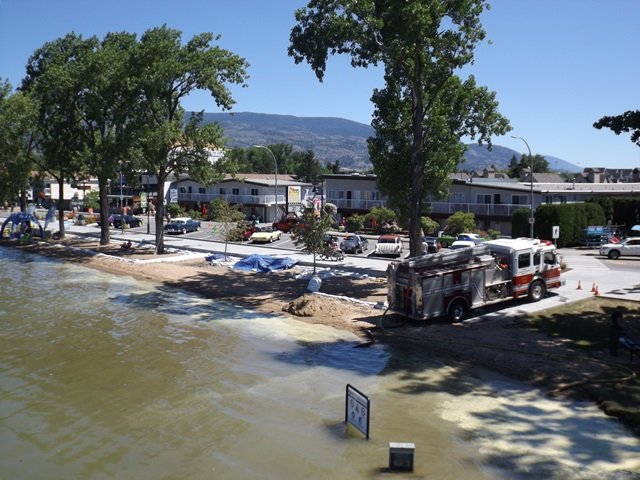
457,311
536,291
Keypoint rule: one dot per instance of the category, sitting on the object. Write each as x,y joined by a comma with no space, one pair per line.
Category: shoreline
502,346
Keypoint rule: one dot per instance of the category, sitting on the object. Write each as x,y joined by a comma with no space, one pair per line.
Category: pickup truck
389,245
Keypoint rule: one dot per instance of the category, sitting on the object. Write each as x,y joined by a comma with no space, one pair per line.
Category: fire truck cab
451,283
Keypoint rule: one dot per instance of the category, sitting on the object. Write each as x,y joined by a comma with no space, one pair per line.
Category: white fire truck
452,282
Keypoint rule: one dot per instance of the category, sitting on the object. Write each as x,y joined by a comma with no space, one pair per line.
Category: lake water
104,376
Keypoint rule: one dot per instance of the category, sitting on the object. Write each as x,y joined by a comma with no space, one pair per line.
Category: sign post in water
357,410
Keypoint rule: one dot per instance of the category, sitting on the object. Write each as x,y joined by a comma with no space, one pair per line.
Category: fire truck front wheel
536,291
457,310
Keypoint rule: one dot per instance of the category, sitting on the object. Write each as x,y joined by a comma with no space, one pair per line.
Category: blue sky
557,66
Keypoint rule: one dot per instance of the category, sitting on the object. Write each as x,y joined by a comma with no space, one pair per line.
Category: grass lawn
585,326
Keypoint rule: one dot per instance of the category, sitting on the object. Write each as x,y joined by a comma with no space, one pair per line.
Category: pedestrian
616,331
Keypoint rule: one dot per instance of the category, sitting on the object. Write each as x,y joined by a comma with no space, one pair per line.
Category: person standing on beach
616,331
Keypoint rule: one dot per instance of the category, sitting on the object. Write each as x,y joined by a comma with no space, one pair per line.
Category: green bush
355,223
429,226
520,223
380,215
175,210
461,222
570,217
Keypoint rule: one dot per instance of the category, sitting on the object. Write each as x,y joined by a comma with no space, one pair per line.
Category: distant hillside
334,139
330,139
478,157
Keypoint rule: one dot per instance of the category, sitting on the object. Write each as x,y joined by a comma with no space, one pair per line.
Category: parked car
389,245
329,239
247,229
266,234
182,225
628,247
462,244
109,219
429,245
354,244
471,237
129,221
287,223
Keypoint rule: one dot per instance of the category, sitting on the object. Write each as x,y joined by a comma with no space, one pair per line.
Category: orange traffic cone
579,286
596,292
593,287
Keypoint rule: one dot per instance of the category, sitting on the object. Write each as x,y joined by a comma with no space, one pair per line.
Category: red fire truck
452,282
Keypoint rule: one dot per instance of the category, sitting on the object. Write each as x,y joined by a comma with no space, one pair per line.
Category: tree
310,234
306,167
18,115
461,222
628,122
166,72
227,218
108,124
55,81
517,168
424,109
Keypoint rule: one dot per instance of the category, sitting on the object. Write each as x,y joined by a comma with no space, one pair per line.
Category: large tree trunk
104,211
160,212
61,207
23,200
417,172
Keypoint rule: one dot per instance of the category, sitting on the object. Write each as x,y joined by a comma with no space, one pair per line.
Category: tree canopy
628,122
166,72
424,108
17,148
517,168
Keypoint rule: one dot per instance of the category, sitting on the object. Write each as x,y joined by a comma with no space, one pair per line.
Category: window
483,198
549,258
223,191
524,260
182,190
536,258
254,192
202,190
235,191
520,199
457,197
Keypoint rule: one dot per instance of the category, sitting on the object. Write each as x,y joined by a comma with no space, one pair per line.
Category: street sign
555,232
357,410
173,195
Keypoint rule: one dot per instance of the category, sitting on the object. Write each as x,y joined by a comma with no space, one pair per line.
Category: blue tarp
264,263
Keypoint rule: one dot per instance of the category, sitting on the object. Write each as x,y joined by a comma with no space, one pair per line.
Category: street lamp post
275,163
532,219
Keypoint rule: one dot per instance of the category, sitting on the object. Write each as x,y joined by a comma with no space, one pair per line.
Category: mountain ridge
338,139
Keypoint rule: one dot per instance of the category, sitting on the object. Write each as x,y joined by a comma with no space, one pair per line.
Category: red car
286,224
